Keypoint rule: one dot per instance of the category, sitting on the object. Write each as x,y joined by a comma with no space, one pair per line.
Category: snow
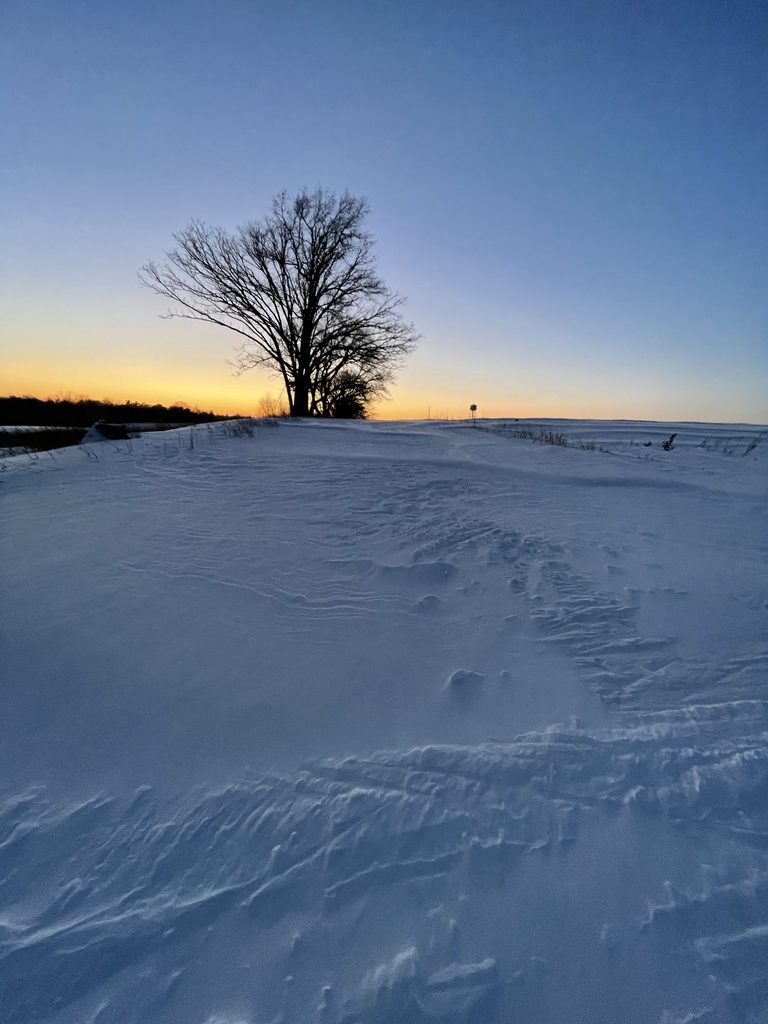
386,722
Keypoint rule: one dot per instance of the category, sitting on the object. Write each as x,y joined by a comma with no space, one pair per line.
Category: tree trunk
301,384
300,397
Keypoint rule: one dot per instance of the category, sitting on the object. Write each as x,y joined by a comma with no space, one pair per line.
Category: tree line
84,412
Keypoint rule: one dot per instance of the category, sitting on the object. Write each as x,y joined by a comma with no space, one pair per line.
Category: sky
571,195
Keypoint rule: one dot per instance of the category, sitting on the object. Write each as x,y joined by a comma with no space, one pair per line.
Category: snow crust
388,722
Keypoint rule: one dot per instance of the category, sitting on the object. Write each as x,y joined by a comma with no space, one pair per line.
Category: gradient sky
572,195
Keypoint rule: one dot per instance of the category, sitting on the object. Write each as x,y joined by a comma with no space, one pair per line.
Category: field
387,723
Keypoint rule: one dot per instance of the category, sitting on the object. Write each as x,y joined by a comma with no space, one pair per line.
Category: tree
301,289
350,397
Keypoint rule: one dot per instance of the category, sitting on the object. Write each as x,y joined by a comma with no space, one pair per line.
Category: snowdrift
378,723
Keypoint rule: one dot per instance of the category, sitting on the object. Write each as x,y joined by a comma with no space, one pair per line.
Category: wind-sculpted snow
386,724
92,891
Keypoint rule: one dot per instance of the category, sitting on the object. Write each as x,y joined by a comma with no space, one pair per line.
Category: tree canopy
301,290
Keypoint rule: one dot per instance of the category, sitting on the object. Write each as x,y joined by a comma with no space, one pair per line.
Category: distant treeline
84,412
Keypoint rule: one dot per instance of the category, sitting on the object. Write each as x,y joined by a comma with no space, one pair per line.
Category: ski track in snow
386,723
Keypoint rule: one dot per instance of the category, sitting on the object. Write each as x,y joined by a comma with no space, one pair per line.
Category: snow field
386,723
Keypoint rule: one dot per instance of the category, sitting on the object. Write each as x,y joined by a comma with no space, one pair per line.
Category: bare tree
301,290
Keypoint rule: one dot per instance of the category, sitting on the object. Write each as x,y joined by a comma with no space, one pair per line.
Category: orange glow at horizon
207,383
242,396
229,395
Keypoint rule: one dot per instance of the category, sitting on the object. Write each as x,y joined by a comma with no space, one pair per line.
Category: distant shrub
551,437
239,428
541,436
271,407
740,445
246,427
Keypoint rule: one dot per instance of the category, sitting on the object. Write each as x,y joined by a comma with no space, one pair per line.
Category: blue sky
571,195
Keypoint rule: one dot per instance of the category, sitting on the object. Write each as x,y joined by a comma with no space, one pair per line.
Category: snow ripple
91,888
